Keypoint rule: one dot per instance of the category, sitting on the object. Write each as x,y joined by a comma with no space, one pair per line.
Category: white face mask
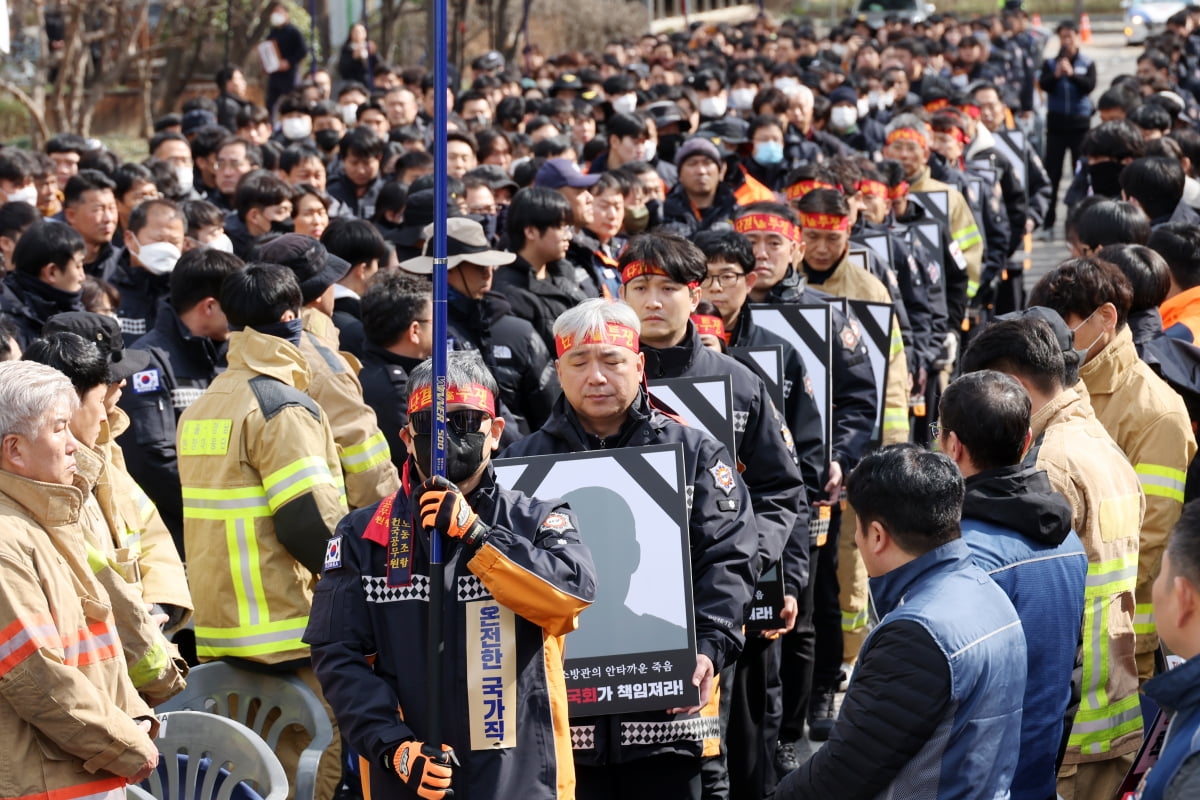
349,112
625,103
278,19
864,107
26,194
787,85
742,99
712,106
186,177
221,243
296,127
649,150
842,118
157,257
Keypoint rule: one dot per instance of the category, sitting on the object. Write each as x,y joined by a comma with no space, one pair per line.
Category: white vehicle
1144,18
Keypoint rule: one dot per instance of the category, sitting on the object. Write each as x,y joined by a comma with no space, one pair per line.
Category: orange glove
444,508
425,769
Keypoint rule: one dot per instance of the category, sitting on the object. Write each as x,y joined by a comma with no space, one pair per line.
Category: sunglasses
463,421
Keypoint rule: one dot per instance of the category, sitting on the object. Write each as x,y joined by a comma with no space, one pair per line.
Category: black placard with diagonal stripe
704,403
635,649
766,362
876,322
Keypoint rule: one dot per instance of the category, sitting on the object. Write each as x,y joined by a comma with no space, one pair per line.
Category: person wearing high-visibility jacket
154,665
1086,466
71,723
364,452
262,493
1141,412
908,140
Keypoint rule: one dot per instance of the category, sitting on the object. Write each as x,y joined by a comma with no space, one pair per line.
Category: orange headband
873,188
936,105
801,188
612,333
708,325
766,223
970,111
907,133
825,222
473,394
898,191
636,269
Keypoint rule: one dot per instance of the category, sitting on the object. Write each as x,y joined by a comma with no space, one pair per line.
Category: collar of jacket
565,425
1145,325
790,289
89,463
1068,404
169,325
741,329
1178,689
1104,373
888,590
671,362
1186,303
983,141
817,277
112,427
50,504
1021,499
388,357
468,311
921,175
320,325
270,356
131,276
41,299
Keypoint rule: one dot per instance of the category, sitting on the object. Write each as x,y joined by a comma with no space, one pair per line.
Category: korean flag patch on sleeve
333,553
145,381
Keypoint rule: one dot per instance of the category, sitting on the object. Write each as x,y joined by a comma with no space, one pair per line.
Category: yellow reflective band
1111,577
150,666
252,640
895,419
205,437
96,560
972,288
145,505
897,341
1143,620
967,237
1160,481
285,484
1095,729
362,457
852,621
225,504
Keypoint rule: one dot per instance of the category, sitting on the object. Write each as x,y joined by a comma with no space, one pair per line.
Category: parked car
876,11
1144,18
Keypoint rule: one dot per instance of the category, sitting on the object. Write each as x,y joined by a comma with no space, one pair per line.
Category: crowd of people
216,412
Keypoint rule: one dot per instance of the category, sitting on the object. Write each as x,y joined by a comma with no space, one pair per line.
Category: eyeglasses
462,421
724,280
935,431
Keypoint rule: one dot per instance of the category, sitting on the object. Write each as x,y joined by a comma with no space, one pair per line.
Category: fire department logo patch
333,553
787,437
850,336
557,521
808,386
722,476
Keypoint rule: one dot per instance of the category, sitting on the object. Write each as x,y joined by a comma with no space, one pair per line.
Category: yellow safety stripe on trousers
967,237
1143,619
151,665
897,344
895,419
1095,730
244,502
1160,481
284,485
1110,577
362,457
252,640
852,621
972,288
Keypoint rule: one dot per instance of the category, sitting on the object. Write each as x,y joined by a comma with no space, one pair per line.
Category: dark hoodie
1021,499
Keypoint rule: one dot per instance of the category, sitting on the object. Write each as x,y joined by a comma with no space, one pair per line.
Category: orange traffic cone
1085,28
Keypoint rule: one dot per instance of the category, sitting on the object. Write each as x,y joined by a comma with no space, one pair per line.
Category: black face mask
464,453
327,139
1105,178
282,226
668,144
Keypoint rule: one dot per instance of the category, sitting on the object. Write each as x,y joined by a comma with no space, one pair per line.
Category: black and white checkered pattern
676,730
377,590
471,588
740,418
583,737
132,327
181,399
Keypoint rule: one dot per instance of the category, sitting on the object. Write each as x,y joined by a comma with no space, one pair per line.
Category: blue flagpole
433,673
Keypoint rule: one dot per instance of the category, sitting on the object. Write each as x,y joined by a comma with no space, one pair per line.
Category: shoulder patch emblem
146,381
722,476
333,553
787,438
808,386
557,521
850,335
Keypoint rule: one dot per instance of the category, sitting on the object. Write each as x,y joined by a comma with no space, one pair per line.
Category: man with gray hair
516,568
603,405
72,722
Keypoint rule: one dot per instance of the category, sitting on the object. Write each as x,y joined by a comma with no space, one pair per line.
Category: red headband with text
873,188
898,191
709,325
473,394
801,188
766,223
636,269
911,134
613,333
824,222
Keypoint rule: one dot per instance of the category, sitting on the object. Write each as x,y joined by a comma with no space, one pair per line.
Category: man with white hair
72,723
603,405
